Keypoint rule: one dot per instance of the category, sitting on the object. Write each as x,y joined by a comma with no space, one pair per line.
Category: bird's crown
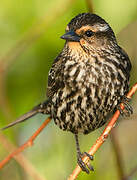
84,19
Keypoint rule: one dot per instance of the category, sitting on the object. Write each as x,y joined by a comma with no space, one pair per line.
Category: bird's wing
126,61
55,77
54,83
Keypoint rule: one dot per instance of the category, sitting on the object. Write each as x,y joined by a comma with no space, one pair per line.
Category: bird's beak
71,36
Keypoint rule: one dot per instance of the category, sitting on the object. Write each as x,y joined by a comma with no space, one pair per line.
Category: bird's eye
88,33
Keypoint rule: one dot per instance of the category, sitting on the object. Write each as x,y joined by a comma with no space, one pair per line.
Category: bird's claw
128,108
90,156
85,167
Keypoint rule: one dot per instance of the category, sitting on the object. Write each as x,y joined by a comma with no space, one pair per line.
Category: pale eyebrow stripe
102,27
94,28
84,28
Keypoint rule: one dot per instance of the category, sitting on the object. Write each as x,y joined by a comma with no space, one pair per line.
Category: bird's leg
80,156
128,108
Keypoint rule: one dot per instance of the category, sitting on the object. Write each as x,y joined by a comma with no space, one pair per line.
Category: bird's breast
91,90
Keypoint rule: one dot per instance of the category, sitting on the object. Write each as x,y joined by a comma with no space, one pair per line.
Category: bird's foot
85,167
128,110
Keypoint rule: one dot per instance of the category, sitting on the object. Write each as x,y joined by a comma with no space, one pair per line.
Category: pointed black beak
71,36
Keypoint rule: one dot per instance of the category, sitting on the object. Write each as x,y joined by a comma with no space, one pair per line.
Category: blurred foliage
53,154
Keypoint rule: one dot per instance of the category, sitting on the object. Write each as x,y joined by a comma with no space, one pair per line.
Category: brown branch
89,6
28,143
103,136
118,154
93,149
24,163
21,45
5,61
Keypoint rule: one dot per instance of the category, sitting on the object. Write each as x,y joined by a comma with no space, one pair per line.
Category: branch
89,6
28,143
24,163
5,61
93,149
103,136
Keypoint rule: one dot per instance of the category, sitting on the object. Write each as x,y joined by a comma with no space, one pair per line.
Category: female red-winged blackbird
87,80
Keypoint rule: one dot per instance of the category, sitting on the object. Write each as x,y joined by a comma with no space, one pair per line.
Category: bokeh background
29,41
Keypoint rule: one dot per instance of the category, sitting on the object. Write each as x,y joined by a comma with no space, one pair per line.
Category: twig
118,154
103,136
90,6
31,36
28,143
25,164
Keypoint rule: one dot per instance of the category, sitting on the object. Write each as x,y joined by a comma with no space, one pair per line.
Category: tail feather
41,108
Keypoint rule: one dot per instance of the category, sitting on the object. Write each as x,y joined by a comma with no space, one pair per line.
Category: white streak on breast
69,63
72,72
121,73
81,73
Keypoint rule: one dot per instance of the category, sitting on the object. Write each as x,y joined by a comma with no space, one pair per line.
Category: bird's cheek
82,42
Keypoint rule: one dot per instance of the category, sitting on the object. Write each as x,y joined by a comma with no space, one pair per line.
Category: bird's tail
41,108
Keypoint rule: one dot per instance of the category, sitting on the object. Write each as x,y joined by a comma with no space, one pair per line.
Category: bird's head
89,31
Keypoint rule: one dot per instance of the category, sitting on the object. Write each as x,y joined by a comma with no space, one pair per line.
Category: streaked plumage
87,80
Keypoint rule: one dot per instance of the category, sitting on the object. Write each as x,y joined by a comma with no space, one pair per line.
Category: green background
29,41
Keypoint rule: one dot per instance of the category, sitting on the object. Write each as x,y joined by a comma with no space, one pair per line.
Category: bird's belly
89,94
83,109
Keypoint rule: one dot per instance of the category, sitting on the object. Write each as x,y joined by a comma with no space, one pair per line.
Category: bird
87,80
